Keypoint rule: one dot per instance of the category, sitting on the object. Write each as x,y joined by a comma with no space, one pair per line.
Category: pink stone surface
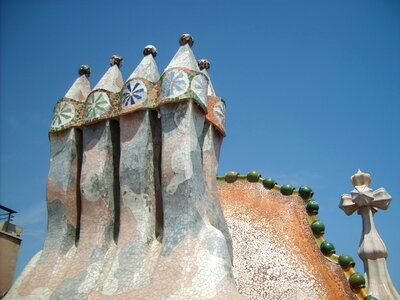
275,255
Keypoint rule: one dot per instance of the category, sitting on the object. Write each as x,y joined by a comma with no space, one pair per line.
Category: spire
67,111
216,106
147,68
139,90
204,65
112,79
81,87
184,58
102,102
182,79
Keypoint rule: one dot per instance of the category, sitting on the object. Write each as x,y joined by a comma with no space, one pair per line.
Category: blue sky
312,91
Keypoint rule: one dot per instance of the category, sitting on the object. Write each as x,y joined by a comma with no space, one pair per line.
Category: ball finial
203,64
186,39
150,49
116,60
84,70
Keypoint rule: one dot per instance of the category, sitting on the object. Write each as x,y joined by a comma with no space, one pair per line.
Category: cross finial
372,249
363,195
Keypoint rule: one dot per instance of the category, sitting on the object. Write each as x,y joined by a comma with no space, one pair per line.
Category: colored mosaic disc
135,92
219,112
199,85
174,83
97,104
63,113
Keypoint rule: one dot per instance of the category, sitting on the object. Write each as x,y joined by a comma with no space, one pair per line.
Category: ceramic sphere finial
84,70
150,49
186,39
116,60
203,64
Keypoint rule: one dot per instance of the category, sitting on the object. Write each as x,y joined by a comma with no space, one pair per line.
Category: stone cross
372,249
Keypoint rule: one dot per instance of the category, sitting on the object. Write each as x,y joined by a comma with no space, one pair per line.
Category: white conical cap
204,65
210,90
79,90
111,80
184,58
147,69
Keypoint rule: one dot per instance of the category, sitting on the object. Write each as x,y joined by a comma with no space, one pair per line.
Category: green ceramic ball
357,281
327,248
305,192
269,183
253,176
287,189
346,261
318,228
312,207
231,176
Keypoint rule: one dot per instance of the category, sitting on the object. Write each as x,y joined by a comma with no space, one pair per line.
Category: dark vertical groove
155,124
201,140
79,153
116,148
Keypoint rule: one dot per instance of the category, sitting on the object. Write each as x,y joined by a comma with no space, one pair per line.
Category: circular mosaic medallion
135,92
97,104
199,86
63,113
219,112
174,83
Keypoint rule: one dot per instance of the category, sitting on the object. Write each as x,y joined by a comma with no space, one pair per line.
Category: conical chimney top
112,79
147,68
204,65
184,57
80,89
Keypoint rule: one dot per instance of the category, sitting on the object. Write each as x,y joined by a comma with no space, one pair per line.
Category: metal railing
7,215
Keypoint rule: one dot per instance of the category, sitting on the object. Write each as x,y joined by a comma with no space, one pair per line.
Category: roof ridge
355,280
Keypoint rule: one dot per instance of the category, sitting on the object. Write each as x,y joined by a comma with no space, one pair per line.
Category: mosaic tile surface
68,110
104,100
67,113
180,84
135,211
80,88
101,105
141,89
111,80
62,192
138,94
96,246
184,58
274,252
216,113
211,141
140,200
